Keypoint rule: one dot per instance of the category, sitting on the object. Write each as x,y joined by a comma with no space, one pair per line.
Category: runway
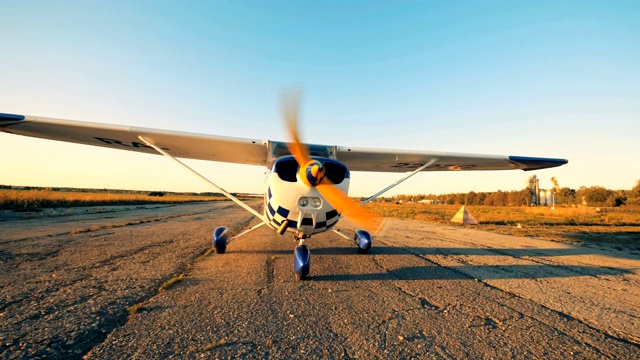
424,291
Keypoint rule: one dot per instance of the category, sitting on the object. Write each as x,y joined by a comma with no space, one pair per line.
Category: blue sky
555,79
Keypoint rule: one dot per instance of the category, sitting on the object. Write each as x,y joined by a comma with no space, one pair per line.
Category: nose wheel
301,259
363,241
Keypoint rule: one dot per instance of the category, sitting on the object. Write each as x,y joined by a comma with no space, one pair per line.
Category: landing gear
220,239
363,241
301,259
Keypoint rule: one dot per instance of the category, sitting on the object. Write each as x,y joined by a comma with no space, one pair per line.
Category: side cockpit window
335,172
286,169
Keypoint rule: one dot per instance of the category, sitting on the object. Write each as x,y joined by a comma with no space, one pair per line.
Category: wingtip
535,163
4,118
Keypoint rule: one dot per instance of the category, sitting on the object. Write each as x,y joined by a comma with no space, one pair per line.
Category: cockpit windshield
287,168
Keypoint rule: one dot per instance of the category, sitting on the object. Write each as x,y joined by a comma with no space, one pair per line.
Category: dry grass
136,308
507,215
618,225
169,283
30,200
214,344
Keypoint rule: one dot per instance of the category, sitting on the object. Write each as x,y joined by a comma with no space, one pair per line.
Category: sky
531,78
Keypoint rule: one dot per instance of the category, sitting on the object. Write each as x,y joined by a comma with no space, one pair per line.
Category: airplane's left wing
179,144
381,160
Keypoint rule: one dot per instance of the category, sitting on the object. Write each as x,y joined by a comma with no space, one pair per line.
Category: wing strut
247,231
399,181
223,191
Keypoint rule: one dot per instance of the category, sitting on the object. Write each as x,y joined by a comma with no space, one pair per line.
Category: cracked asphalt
424,291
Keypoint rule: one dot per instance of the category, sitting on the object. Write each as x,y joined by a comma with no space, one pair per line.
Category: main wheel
220,238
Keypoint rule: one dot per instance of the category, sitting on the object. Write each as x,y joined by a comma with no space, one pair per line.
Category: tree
449,199
520,198
566,196
500,198
617,198
469,199
595,195
633,195
512,198
488,200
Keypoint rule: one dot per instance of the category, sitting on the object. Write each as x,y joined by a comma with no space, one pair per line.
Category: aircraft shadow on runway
480,272
421,251
434,271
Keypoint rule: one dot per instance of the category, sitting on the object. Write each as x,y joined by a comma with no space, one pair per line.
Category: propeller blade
290,109
347,207
339,200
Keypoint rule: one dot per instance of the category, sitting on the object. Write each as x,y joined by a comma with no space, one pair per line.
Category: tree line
591,196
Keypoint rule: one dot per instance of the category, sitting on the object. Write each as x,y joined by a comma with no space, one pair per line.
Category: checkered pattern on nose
276,214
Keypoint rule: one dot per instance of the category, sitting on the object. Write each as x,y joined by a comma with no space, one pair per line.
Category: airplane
306,184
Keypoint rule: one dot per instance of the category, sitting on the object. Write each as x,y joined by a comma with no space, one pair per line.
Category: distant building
428,201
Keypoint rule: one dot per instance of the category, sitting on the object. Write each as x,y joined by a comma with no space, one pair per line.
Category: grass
619,225
169,283
34,200
214,344
511,215
136,308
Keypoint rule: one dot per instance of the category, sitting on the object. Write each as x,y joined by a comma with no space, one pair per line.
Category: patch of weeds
213,345
388,317
136,308
169,283
571,220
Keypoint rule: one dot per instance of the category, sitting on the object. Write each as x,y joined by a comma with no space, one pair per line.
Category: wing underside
402,161
179,144
254,151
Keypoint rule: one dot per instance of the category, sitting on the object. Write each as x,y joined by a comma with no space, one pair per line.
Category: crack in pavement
560,314
109,226
183,271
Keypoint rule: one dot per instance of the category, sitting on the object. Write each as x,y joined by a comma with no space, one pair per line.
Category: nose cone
313,173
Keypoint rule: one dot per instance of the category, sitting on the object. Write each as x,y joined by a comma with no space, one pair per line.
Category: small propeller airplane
306,184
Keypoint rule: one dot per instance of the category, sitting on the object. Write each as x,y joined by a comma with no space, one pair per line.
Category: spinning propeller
312,172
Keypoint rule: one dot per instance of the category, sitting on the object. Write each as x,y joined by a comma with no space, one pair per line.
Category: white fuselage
282,201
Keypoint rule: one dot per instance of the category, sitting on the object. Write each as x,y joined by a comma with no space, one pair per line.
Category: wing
401,161
253,151
179,144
